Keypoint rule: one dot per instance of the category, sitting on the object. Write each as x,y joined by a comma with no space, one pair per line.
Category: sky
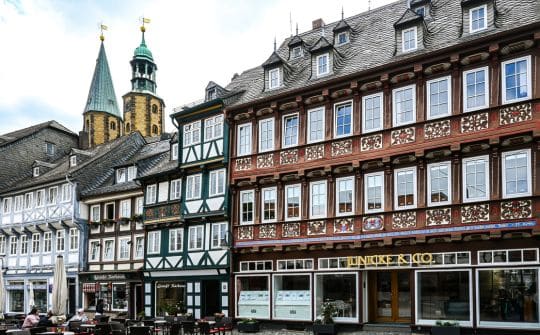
49,48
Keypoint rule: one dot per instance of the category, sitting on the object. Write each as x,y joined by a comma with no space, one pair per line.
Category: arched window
154,108
154,129
127,128
87,125
113,125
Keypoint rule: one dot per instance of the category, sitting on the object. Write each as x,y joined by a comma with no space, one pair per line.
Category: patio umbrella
2,290
31,301
60,290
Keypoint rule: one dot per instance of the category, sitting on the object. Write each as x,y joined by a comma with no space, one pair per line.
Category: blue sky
50,47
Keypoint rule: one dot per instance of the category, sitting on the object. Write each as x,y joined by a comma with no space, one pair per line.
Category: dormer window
131,172
174,151
35,172
121,175
322,65
211,94
409,39
421,11
296,52
478,18
50,148
274,79
342,38
72,160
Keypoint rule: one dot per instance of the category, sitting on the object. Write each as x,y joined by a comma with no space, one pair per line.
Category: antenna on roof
290,22
296,28
342,14
369,5
274,43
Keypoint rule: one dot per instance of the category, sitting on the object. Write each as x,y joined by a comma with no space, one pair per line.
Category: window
53,195
516,81
139,247
213,127
94,251
254,266
408,37
18,203
108,250
12,245
340,290
60,240
292,202
35,244
246,206
475,95
219,235
318,199
252,289
73,160
121,175
405,188
266,135
125,208
192,133
315,125
94,213
372,112
342,38
109,211
244,139
478,18
175,240
73,239
439,184
343,119
295,264
124,248
374,192
174,151
322,65
195,238
273,78
7,205
217,182
139,205
193,187
439,97
163,191
404,105
269,204
50,148
28,200
132,172
113,125
154,242
344,195
47,242
35,171
2,245
151,194
516,173
297,52
290,130
288,288
475,178
24,244
66,193
421,11
40,198
176,189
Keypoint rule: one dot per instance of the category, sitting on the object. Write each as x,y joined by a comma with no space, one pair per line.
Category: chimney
316,24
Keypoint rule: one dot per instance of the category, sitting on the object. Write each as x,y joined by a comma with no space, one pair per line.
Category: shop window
340,290
451,259
170,294
508,297
443,295
15,292
250,266
292,297
253,297
246,207
292,202
40,295
119,298
333,263
266,135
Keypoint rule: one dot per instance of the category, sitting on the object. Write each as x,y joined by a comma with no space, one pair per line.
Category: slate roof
21,133
407,18
342,25
164,164
373,43
273,59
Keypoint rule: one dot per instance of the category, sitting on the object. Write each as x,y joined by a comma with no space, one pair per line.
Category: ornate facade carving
373,223
514,114
291,229
315,152
516,209
403,136
372,142
341,148
403,220
316,228
243,164
437,129
475,213
245,233
289,156
343,226
265,160
267,231
474,122
438,216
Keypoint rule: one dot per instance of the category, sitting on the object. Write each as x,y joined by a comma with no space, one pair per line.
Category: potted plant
444,327
140,315
219,316
248,325
325,323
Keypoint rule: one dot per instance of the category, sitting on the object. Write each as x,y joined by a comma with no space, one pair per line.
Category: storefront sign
110,276
390,260
170,285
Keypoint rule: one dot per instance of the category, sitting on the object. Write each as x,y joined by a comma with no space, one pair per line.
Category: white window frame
104,256
263,191
274,295
41,203
415,35
215,178
395,119
485,69
286,198
503,79
66,193
47,242
2,244
318,68
125,208
190,129
219,228
311,184
174,151
91,244
321,110
353,202
448,184
151,194
529,175
336,106
448,97
358,299
252,206
24,245
464,162
191,186
380,96
174,234
139,205
237,296
211,124
74,239
176,189
93,210
73,160
154,242
484,7
266,144
105,210
297,52
36,247
35,171
131,172
13,245
415,193
198,229
18,204
247,145
121,246
121,175
346,39
28,200
52,191
7,203
283,133
366,187
60,236
270,79
136,238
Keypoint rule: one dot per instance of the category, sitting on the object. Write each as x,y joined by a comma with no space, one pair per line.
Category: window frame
379,95
73,160
175,189
60,236
248,145
218,227
195,192
464,162
52,190
270,139
189,131
346,39
269,189
93,209
336,106
106,209
137,238
317,66
196,228
18,203
286,198
448,97
121,175
448,164
24,245
395,120
74,237
353,195
156,240
13,244
217,173
36,243
311,184
174,233
242,222
295,54
484,7
131,172
3,244
217,123
283,130
278,78
119,248
28,201
66,193
125,208
309,129
415,188
366,187
505,194
7,204
91,243
104,250
151,190
403,33
47,242
174,151
526,58
486,89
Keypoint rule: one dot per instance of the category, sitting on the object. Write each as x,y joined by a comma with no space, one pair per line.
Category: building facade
387,164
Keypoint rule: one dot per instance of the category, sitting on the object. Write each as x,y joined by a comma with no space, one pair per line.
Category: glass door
390,296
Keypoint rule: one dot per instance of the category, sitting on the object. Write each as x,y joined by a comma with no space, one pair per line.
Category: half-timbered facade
387,164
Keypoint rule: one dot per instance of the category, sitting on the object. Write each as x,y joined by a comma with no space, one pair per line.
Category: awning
90,287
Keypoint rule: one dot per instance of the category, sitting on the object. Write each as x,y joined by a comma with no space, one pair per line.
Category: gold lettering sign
390,260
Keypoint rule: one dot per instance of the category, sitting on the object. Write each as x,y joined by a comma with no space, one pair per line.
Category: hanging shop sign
399,260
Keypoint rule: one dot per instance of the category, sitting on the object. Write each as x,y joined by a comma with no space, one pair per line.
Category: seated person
32,319
46,321
80,316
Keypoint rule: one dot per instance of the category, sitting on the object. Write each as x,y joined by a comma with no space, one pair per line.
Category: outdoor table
49,333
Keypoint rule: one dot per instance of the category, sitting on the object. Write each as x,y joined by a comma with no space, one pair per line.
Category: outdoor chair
188,327
75,326
117,328
175,329
139,330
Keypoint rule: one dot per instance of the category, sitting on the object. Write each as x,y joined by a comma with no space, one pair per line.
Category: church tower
143,109
102,118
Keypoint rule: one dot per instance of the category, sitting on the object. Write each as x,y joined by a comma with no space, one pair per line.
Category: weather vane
144,21
102,27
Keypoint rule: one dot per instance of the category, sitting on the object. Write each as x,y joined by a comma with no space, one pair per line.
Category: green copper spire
142,50
102,97
143,68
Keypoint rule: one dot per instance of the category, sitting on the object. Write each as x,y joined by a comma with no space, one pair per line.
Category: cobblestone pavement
278,331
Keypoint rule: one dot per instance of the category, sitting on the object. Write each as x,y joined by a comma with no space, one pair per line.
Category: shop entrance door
390,296
211,297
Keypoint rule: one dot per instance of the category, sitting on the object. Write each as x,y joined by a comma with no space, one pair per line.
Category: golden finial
102,27
144,20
